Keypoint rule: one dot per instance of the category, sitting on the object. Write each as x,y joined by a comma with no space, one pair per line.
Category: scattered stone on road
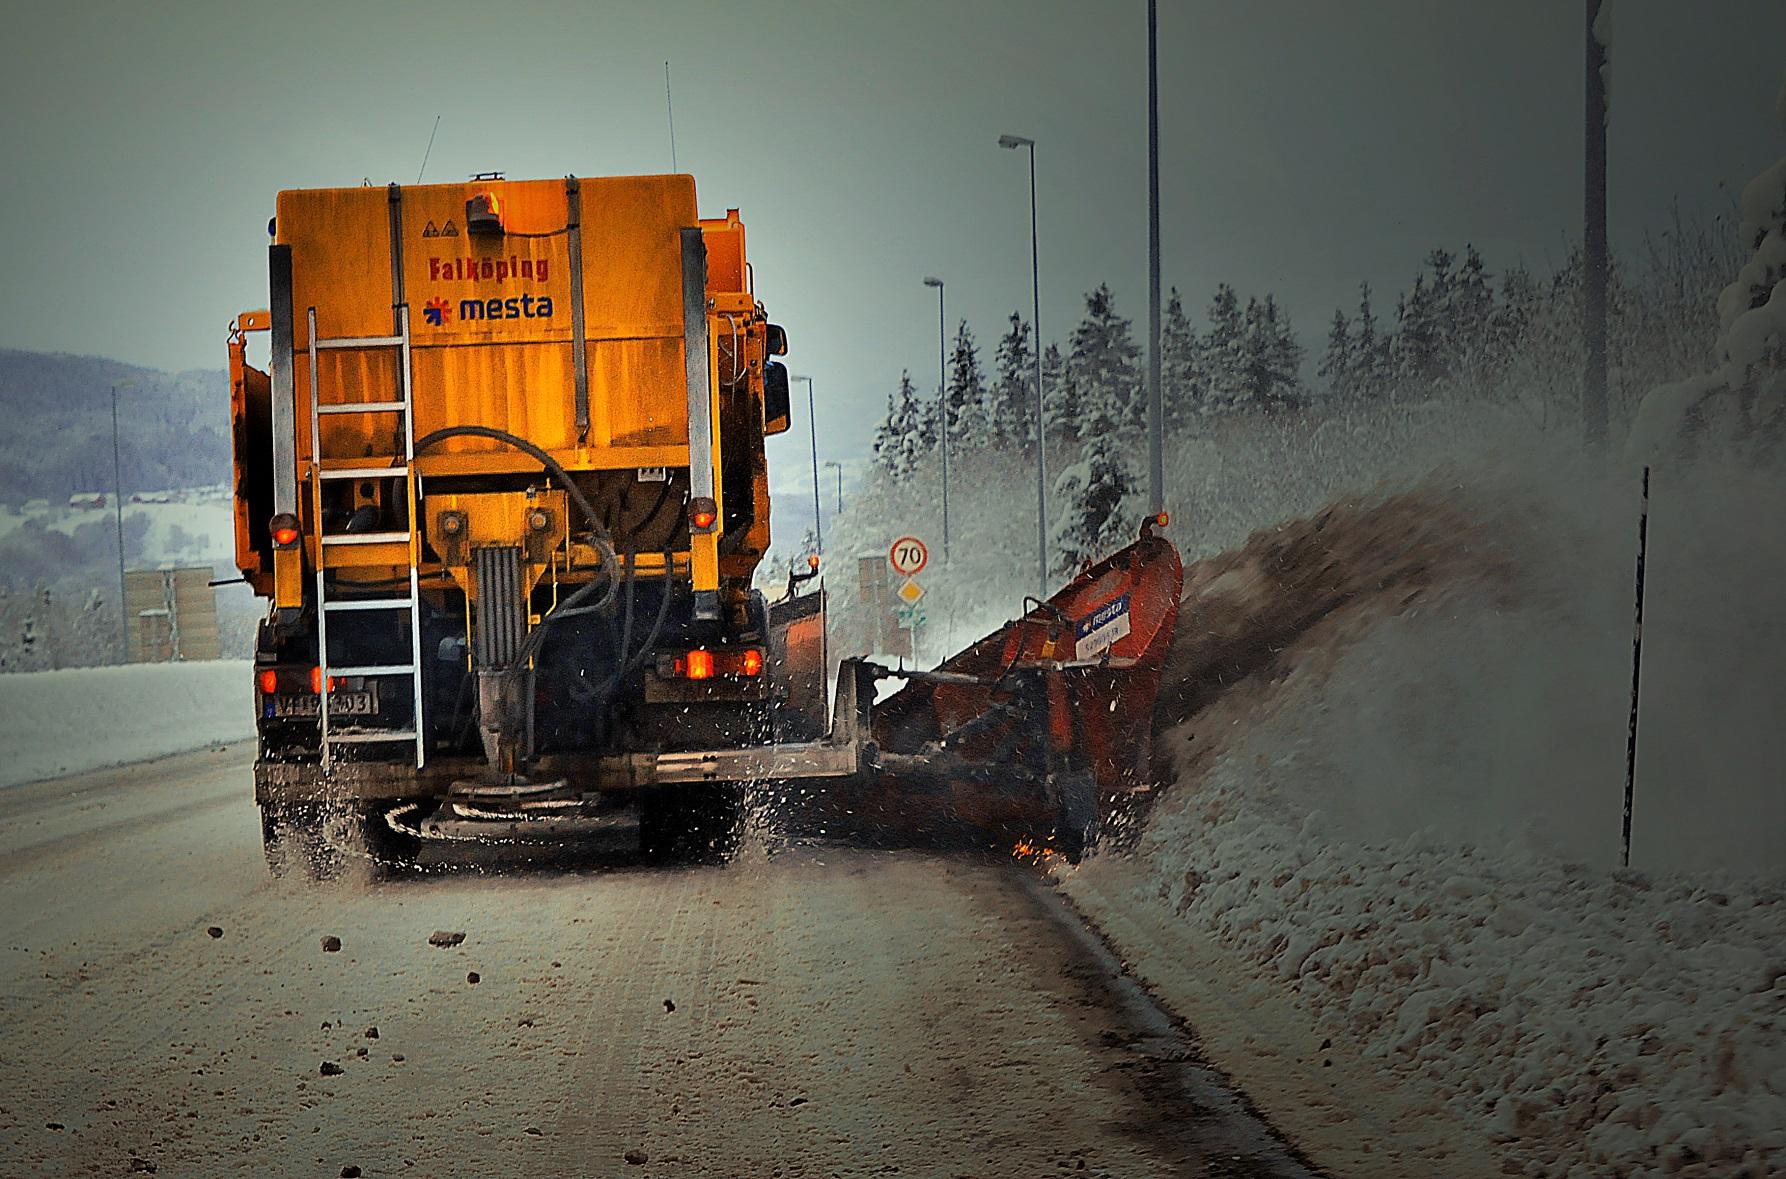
372,1032
446,937
637,1158
214,930
331,1069
669,1006
473,977
350,1172
331,944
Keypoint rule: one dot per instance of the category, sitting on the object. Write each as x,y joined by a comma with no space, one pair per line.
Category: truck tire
315,841
393,852
1076,828
699,824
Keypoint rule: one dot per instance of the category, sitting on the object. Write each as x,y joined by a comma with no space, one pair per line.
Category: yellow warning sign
910,592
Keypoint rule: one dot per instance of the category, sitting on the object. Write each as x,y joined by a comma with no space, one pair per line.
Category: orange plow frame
1030,732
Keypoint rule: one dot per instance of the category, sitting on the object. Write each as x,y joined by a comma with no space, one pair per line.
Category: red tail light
284,529
269,682
700,664
703,514
316,681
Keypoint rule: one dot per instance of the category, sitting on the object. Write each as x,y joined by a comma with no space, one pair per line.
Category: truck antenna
671,108
429,151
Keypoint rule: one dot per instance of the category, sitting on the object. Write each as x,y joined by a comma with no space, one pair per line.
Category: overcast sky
1305,146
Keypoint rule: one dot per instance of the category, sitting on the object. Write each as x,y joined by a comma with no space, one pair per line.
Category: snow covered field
191,526
54,723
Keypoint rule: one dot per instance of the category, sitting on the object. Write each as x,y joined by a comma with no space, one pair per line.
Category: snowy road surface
825,1012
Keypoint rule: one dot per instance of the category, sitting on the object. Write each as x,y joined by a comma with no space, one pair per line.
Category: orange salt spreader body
501,475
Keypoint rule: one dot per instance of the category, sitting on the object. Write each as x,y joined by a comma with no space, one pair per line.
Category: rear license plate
340,704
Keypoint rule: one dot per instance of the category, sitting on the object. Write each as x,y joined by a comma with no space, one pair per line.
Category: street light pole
1156,416
118,508
1014,142
1593,380
942,400
812,425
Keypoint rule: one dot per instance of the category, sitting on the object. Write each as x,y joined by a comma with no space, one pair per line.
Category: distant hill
57,433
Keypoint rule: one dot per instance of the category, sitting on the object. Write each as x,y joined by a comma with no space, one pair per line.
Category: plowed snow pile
1397,730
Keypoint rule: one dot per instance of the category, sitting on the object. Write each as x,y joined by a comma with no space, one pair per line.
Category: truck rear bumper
280,782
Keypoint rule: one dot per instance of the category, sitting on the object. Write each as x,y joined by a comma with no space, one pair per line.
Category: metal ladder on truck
349,549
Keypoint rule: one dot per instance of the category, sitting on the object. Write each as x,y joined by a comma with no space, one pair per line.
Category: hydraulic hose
609,579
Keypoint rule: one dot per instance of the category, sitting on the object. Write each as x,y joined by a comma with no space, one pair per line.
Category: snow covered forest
1461,334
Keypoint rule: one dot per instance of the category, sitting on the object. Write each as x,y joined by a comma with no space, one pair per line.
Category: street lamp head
933,282
1015,141
798,377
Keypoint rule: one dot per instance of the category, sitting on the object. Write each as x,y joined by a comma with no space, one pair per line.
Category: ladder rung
359,342
366,669
364,407
362,735
368,604
361,472
367,538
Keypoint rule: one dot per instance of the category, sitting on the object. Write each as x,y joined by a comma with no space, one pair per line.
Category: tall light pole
1013,142
942,400
1593,317
812,424
1156,415
839,468
118,507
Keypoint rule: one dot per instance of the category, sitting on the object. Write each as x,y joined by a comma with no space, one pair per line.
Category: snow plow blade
1028,734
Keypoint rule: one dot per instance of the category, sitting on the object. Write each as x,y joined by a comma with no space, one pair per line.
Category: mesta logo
437,311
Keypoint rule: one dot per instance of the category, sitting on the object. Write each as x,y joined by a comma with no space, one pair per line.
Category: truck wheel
1076,830
294,837
393,852
692,824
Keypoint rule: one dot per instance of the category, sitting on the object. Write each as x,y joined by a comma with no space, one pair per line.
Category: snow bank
1407,817
66,722
1593,1022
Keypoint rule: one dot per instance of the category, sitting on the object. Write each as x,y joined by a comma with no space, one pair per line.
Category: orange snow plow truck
503,482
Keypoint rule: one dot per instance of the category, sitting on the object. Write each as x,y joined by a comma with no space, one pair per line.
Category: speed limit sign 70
908,556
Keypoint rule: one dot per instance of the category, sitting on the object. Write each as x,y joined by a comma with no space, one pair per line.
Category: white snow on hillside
194,526
54,723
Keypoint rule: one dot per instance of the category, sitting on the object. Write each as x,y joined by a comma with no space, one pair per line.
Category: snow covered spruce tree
1223,351
1062,406
1092,498
1105,363
1011,405
1739,406
1337,362
1369,374
1181,375
969,428
899,441
1270,374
